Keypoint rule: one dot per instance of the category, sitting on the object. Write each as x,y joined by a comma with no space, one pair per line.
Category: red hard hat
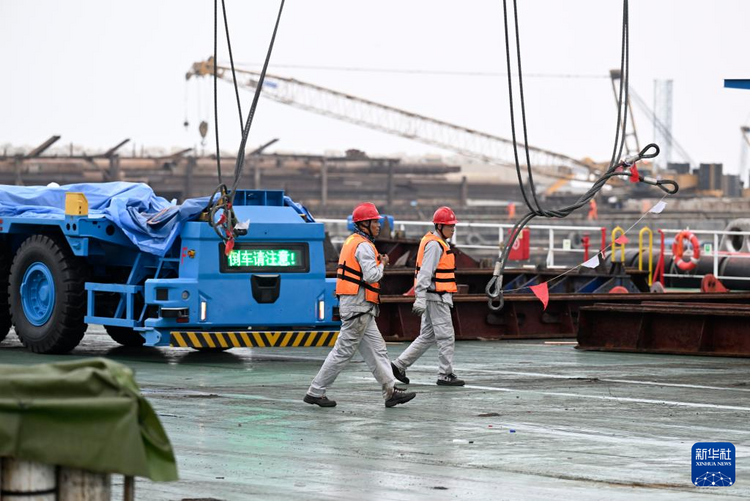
444,215
365,212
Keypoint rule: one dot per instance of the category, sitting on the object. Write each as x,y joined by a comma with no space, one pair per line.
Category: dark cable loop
619,141
241,153
652,146
661,185
532,187
225,226
494,290
512,111
494,287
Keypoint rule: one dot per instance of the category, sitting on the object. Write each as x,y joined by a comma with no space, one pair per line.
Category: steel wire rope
225,227
214,203
221,190
494,286
231,62
253,106
216,102
217,203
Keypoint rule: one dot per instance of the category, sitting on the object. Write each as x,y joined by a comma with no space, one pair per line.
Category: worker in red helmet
434,286
358,288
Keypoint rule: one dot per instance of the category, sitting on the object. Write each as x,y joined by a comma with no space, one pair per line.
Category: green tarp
86,414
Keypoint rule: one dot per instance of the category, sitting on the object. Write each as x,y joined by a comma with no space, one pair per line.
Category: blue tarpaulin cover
301,209
151,222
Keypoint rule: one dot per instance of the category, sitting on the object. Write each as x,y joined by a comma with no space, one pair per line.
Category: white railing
500,229
551,250
715,252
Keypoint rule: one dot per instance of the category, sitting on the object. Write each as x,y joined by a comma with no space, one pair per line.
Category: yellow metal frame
615,236
76,204
650,249
259,339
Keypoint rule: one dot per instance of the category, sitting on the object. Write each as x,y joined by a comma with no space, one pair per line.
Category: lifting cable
616,167
222,199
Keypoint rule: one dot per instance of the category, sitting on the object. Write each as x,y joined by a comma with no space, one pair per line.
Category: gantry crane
732,83
632,144
462,140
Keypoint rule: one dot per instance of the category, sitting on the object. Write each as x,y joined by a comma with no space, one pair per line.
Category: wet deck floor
587,425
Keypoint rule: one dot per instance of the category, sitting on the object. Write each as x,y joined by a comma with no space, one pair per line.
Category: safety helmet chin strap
439,228
366,224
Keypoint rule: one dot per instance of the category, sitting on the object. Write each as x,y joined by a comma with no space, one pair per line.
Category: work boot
399,396
449,380
399,374
321,401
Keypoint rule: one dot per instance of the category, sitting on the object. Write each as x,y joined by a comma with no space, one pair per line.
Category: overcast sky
97,72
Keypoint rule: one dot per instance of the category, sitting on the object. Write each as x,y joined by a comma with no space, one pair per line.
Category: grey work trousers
437,328
361,332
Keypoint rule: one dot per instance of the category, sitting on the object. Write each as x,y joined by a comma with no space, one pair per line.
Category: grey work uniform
358,330
437,326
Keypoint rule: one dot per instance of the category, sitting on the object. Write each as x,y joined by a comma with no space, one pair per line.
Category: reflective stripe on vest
349,277
445,274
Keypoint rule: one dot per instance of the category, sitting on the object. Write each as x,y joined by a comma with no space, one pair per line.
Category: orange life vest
445,274
349,278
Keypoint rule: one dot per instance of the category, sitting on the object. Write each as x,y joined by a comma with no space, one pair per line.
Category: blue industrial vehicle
157,274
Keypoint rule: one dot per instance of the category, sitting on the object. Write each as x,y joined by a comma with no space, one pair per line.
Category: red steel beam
698,328
523,317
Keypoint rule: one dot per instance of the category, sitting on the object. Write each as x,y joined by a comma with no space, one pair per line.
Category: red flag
542,292
622,240
634,174
229,246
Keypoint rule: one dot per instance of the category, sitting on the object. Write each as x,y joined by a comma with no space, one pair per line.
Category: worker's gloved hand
419,306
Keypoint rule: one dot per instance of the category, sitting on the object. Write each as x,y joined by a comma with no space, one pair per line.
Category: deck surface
536,421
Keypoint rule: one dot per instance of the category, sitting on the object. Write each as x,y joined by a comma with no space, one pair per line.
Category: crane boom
468,142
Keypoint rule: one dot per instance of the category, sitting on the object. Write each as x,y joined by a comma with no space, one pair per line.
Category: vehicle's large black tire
125,336
5,260
65,327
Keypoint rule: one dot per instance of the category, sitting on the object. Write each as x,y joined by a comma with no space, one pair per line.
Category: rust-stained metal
523,316
676,327
712,284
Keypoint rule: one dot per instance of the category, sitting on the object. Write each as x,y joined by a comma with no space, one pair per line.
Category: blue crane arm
736,83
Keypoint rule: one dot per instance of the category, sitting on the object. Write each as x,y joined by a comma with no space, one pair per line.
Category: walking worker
511,210
434,286
358,288
593,211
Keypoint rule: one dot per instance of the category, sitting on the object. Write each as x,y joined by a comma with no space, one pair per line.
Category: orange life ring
678,249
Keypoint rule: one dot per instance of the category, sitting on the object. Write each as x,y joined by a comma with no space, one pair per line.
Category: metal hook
500,303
